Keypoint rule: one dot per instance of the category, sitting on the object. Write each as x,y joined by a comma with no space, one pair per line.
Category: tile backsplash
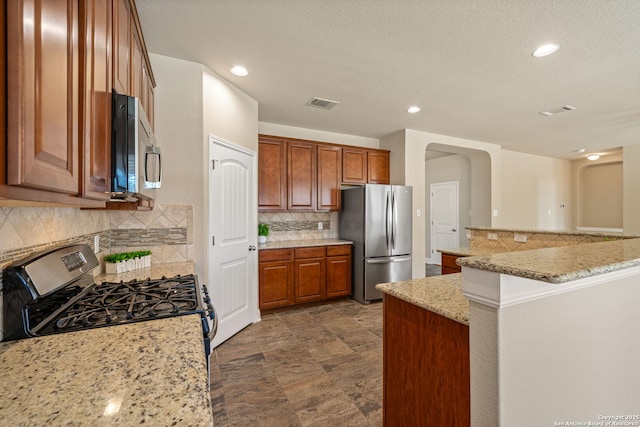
300,225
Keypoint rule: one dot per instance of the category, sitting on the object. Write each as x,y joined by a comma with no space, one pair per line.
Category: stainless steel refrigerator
377,218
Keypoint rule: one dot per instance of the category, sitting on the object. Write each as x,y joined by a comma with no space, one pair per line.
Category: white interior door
233,222
444,218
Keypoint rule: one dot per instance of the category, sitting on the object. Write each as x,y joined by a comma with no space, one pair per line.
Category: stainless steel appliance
136,166
54,292
377,218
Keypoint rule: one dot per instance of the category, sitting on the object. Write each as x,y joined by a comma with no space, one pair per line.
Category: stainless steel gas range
54,292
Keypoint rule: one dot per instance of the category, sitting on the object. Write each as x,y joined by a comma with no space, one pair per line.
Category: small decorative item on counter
127,261
263,232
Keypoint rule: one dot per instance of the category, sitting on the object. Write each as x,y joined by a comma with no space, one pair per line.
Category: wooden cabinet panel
121,46
449,265
96,145
272,175
338,275
301,176
329,177
135,80
426,373
43,107
312,252
276,284
378,167
354,166
309,281
336,250
276,255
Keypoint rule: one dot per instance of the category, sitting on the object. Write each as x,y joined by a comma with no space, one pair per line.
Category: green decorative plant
124,256
263,229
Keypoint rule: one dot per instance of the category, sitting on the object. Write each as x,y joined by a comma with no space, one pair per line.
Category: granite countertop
155,271
152,373
438,294
464,251
287,244
570,232
561,264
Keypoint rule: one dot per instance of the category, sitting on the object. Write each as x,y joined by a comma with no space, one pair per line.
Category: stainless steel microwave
136,163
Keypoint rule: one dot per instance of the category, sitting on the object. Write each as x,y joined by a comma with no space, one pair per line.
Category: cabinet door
329,177
135,81
96,171
272,175
338,276
42,95
121,46
354,166
276,284
378,167
301,182
309,279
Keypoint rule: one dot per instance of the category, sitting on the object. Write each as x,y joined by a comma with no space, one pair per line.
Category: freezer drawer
384,270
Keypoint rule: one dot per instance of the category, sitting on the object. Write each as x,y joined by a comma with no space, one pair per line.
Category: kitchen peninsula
552,332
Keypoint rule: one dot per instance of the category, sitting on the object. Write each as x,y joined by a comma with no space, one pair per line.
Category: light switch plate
492,236
522,238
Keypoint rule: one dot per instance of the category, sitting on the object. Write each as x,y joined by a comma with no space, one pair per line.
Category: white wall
533,190
631,188
316,135
191,101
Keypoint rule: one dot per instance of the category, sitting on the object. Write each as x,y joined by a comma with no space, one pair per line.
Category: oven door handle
214,328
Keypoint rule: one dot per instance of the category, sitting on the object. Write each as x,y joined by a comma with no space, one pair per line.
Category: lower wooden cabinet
449,265
301,275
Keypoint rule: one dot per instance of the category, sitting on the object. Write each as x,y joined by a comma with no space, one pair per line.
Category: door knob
252,248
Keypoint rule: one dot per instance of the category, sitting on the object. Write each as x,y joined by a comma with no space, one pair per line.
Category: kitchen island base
426,372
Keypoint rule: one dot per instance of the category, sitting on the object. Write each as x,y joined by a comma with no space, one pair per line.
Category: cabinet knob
453,229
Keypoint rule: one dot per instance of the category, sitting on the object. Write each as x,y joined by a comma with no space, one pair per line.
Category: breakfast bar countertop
291,244
467,251
561,264
151,373
438,294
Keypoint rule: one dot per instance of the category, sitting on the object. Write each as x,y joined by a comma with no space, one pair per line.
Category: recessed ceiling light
593,156
557,110
580,150
545,50
239,71
413,109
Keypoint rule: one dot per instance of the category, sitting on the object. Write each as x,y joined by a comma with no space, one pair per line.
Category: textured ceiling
466,63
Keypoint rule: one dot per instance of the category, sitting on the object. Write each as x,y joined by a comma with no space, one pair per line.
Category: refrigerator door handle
394,221
388,223
388,260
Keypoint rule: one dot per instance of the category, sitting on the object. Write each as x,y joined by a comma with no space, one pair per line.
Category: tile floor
310,366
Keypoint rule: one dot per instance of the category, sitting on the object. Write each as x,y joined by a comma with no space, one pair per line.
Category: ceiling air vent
325,104
557,110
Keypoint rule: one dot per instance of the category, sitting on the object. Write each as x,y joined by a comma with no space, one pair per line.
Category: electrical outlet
320,225
492,236
522,238
96,243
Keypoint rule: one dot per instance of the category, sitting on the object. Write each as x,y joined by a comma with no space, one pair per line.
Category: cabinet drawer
275,255
449,261
338,250
315,252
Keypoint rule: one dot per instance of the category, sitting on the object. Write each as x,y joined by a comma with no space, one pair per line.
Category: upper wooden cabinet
301,175
272,174
329,177
55,127
96,147
365,166
354,166
43,107
121,46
